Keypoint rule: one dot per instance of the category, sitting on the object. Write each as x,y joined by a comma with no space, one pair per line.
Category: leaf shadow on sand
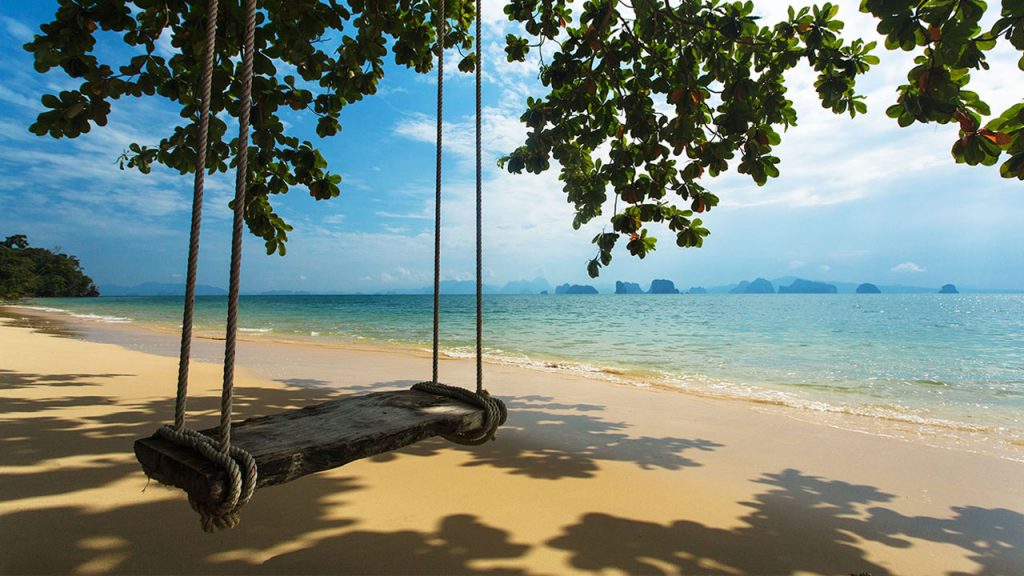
43,324
545,439
52,523
51,457
11,379
305,382
800,524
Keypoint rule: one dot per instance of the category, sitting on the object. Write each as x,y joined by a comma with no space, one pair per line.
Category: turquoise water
950,360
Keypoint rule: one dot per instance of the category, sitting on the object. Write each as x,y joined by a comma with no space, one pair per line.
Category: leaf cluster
645,99
950,42
312,58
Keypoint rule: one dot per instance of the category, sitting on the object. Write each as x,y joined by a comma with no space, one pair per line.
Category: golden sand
587,476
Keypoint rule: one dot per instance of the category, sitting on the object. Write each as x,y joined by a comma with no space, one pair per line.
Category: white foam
98,317
40,308
906,415
499,356
102,318
708,386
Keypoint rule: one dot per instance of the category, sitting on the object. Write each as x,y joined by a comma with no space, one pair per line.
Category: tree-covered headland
27,272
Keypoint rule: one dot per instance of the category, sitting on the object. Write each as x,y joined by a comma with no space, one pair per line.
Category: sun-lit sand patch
588,476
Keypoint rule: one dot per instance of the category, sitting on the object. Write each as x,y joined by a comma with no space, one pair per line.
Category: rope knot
241,472
495,412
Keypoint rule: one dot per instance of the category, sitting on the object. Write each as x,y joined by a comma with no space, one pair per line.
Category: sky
858,200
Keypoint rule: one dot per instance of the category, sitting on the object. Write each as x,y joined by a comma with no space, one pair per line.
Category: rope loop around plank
239,465
495,412
241,474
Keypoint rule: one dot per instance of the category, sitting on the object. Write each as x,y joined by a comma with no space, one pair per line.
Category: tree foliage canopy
38,272
643,99
646,98
312,57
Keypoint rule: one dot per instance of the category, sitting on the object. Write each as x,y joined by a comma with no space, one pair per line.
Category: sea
951,364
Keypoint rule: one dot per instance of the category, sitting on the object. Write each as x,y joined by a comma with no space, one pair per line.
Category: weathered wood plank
292,444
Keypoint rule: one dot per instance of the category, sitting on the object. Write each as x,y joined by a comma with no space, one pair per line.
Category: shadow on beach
796,522
800,524
544,439
42,323
163,536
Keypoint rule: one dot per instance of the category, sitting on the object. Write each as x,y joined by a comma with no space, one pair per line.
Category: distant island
868,288
27,272
541,286
801,286
659,286
536,286
160,289
758,286
575,289
628,288
663,287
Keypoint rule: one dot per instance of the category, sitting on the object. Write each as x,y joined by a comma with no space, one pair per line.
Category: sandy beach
587,476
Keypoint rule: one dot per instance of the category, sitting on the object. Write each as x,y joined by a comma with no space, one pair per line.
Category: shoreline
908,427
585,477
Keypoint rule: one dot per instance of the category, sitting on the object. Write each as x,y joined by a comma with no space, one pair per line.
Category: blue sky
858,200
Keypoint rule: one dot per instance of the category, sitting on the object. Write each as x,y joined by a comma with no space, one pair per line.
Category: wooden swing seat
292,444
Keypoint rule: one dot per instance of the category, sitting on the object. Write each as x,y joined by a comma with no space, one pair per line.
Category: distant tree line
37,272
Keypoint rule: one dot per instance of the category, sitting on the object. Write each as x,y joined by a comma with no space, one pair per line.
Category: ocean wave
102,318
256,330
615,374
98,317
40,308
887,412
873,418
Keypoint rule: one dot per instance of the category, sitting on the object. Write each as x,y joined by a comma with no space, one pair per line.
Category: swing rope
494,409
206,82
479,211
442,30
239,464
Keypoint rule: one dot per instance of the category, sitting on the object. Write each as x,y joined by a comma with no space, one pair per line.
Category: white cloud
163,44
501,131
425,214
402,275
528,220
12,97
908,267
17,29
15,131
